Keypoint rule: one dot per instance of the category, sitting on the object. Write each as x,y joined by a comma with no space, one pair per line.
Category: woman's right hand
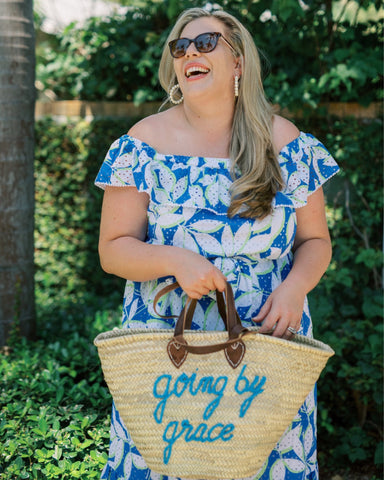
124,252
196,275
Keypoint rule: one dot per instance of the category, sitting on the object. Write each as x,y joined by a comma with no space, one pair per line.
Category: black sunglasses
204,43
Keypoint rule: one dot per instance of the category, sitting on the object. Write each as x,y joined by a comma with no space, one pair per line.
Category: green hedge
67,159
347,305
317,51
54,406
53,402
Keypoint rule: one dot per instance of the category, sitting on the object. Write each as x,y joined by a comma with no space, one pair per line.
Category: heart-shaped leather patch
177,353
235,353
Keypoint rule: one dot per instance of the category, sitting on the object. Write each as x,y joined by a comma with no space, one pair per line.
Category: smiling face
206,74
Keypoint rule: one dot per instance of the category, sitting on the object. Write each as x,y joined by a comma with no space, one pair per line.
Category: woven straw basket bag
206,404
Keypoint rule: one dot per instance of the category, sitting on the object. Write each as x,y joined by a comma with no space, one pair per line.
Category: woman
217,188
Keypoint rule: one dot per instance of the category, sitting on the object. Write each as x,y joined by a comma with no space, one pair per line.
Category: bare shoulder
283,132
151,129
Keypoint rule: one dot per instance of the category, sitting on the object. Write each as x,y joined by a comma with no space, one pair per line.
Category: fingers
291,332
275,323
282,331
211,281
220,282
265,309
280,328
197,293
263,316
282,311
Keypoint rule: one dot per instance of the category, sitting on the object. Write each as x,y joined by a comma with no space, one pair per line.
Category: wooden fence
61,110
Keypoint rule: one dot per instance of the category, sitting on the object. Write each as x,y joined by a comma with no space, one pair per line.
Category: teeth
196,69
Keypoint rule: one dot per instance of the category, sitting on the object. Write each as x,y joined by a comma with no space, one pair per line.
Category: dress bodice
190,196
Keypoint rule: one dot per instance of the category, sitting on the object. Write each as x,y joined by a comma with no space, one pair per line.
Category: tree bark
17,100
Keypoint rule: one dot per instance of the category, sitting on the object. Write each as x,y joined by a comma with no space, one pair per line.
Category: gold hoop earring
172,92
236,86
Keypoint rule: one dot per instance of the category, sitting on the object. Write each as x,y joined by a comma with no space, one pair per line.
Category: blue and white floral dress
189,198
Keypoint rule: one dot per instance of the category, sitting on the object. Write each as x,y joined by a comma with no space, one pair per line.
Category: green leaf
58,453
43,426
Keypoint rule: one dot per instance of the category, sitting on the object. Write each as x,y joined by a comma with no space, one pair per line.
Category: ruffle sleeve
169,180
306,165
121,166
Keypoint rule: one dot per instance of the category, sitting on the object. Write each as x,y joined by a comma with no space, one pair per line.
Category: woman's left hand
283,309
312,253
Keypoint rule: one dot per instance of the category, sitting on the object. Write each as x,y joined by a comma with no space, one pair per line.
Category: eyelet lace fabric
189,197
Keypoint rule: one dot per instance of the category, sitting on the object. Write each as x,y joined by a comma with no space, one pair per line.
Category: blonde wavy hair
251,147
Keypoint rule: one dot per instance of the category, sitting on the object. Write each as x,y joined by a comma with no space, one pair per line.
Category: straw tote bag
207,404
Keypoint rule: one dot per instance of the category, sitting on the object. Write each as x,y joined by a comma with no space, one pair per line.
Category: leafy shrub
111,59
347,306
315,56
315,53
68,205
54,420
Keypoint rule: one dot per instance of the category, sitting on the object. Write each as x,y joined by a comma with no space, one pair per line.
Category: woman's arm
123,251
312,246
312,254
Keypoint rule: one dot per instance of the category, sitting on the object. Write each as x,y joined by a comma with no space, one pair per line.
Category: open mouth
195,71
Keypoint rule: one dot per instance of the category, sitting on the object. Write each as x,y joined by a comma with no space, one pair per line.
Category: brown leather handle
234,348
188,321
227,311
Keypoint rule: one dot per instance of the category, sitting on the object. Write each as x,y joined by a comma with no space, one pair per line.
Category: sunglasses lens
206,42
179,47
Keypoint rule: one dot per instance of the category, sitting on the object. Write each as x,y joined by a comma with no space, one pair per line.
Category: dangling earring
236,86
172,92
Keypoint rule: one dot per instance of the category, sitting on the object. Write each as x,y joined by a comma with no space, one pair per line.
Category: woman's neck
208,121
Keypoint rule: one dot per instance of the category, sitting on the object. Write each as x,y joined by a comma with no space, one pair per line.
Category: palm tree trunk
17,99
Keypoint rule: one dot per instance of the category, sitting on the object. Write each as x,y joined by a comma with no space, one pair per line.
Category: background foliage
54,405
348,304
317,51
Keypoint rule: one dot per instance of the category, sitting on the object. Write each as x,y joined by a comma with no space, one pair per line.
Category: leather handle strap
234,350
227,311
234,347
212,348
161,293
188,321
